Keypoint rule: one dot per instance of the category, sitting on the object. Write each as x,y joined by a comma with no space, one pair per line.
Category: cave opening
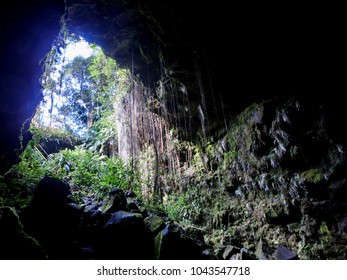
76,127
55,86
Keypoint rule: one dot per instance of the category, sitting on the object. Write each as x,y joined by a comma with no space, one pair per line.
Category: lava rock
124,236
283,253
50,191
230,251
155,224
52,219
171,244
342,225
123,217
263,251
116,202
132,207
15,244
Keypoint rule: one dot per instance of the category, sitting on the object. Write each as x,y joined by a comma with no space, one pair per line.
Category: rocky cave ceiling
253,51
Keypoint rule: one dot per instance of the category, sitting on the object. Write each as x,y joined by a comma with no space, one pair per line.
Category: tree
82,94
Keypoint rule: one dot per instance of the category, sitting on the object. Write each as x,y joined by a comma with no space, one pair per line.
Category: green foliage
320,247
177,206
324,230
89,173
34,162
103,133
86,171
50,133
79,96
13,194
184,206
82,91
314,175
31,168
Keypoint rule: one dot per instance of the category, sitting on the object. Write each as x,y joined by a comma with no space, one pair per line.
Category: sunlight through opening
74,86
79,48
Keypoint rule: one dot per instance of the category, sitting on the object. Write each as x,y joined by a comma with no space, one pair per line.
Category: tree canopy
79,92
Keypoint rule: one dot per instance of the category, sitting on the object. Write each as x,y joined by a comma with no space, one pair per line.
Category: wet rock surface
65,230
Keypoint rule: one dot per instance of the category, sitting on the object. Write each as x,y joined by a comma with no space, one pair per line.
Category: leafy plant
183,206
86,171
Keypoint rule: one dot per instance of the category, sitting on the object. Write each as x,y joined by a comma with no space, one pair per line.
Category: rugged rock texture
283,170
289,51
270,53
28,30
51,219
93,231
15,244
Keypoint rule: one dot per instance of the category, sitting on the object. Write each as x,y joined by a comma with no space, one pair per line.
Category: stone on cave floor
132,207
154,223
207,254
117,201
135,205
230,251
342,225
124,236
263,251
15,244
283,253
195,232
171,244
50,191
52,218
117,192
68,231
123,217
236,253
242,255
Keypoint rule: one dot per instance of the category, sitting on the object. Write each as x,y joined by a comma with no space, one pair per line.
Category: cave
232,115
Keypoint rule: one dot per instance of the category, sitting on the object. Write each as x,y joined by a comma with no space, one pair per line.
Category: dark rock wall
28,29
252,51
243,53
282,169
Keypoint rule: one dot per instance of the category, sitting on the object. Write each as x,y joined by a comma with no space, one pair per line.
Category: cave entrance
80,85
75,129
63,85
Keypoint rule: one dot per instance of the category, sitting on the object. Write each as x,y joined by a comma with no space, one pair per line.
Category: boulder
171,244
116,202
124,236
123,217
242,255
53,219
15,244
155,224
263,251
50,191
230,251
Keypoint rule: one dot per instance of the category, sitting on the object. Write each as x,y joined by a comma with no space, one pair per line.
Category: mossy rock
172,244
313,175
154,223
116,202
15,244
